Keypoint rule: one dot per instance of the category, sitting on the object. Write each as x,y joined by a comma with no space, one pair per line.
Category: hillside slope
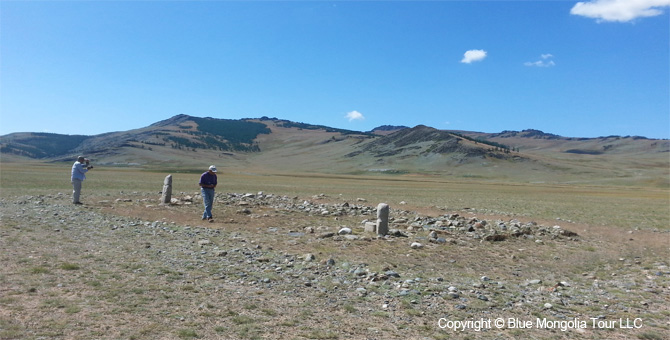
603,159
275,145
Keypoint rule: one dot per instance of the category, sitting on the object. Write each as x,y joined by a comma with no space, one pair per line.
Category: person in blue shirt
79,169
207,185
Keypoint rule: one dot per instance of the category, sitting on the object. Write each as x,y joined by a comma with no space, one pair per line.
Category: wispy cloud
473,55
619,10
545,61
354,115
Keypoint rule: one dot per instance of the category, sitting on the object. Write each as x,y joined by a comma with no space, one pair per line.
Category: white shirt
78,171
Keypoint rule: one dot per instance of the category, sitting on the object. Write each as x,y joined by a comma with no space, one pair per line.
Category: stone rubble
232,258
443,229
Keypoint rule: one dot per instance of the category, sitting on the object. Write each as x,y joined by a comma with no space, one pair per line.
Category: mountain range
275,145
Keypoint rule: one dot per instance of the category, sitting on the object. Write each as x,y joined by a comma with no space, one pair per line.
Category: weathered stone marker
370,227
167,190
382,219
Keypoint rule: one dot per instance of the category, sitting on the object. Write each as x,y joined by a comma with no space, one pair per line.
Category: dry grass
81,283
611,206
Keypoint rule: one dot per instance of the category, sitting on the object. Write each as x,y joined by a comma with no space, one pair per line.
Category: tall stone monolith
383,219
167,190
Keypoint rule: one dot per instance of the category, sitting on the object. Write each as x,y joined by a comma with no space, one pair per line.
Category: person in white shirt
79,169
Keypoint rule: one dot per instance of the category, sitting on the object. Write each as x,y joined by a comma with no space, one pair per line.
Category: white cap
212,168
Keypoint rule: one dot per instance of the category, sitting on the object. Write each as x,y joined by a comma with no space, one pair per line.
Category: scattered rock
344,231
251,262
416,245
391,273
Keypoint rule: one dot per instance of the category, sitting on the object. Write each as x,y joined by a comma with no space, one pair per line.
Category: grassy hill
271,145
610,159
40,145
180,132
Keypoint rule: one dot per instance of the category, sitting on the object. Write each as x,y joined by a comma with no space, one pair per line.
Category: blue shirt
78,171
208,179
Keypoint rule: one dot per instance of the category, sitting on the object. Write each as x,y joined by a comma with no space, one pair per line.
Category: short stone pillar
370,227
383,219
167,190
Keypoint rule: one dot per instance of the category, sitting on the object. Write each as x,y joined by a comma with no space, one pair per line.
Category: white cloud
354,115
540,63
545,61
473,55
619,10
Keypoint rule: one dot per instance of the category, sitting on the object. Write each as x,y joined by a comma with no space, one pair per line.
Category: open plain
287,258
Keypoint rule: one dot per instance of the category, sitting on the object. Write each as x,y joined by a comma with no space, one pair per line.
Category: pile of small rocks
445,229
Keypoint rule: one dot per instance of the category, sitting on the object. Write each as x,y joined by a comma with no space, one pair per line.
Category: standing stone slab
167,190
382,219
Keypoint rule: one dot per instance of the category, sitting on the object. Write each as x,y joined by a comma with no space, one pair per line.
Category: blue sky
588,69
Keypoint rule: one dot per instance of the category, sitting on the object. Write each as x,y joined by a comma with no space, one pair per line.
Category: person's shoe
211,220
78,203
204,218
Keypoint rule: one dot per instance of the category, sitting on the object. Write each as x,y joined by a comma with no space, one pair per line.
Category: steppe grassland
605,213
601,212
611,206
121,288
